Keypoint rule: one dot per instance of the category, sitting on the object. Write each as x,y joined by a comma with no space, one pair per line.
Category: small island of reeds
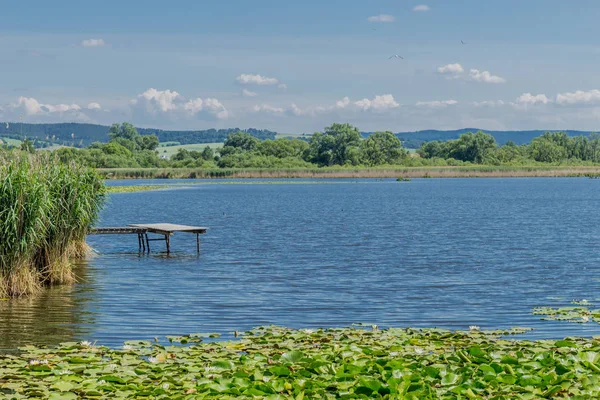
46,209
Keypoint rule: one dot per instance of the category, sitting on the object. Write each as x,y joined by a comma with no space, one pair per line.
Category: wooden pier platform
142,230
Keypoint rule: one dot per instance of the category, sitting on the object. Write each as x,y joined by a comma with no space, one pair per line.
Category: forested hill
85,134
416,139
205,136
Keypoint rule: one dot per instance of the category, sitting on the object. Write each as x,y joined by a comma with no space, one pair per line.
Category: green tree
208,154
382,148
282,148
242,141
544,149
472,147
335,146
125,131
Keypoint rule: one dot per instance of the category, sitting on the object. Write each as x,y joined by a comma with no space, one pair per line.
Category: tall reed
46,209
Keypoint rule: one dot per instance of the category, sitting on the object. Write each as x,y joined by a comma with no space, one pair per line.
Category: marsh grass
46,209
477,171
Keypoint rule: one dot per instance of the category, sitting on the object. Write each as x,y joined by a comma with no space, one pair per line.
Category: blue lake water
427,253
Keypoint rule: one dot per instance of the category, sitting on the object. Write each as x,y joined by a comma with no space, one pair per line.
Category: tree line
337,145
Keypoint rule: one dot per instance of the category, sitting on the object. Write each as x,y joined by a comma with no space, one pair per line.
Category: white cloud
484,76
527,100
93,43
382,18
455,71
94,106
579,97
154,101
379,103
488,103
249,79
452,71
343,103
268,109
282,86
422,8
248,93
31,106
164,100
437,104
312,111
216,108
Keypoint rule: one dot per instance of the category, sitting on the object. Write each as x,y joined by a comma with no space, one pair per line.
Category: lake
328,253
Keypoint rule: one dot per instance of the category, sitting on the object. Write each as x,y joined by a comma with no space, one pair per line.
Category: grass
478,171
46,209
169,151
281,363
11,142
133,189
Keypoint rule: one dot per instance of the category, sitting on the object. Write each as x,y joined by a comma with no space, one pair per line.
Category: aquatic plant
133,189
280,363
46,209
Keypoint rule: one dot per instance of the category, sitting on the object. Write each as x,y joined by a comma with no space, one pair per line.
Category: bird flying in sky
396,56
462,42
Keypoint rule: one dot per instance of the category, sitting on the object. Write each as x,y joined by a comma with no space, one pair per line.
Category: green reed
46,209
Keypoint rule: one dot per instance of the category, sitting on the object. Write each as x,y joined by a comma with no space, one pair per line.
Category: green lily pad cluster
576,314
280,363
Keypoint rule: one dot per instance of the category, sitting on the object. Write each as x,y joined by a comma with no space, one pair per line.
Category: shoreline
401,172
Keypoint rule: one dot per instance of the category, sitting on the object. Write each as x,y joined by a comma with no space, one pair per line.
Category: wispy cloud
437,104
422,8
248,93
268,109
485,77
250,79
93,43
382,18
488,103
456,71
579,97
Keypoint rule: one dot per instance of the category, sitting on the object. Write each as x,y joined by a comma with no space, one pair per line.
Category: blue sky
299,66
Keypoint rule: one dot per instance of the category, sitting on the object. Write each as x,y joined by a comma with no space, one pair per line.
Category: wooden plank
164,228
117,231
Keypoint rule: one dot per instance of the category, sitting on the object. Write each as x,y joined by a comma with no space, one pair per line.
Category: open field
389,172
10,142
171,150
292,135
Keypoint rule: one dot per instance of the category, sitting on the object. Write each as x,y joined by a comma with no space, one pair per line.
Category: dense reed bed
477,171
46,209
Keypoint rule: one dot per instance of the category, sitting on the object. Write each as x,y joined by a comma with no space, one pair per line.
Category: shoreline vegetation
476,171
280,363
339,151
46,209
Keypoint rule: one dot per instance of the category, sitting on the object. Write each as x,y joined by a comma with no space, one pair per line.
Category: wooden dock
164,229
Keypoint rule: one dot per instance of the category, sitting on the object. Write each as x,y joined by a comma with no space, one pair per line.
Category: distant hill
416,139
85,134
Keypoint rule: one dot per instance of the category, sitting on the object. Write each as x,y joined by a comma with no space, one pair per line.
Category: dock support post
147,242
168,240
198,242
140,242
